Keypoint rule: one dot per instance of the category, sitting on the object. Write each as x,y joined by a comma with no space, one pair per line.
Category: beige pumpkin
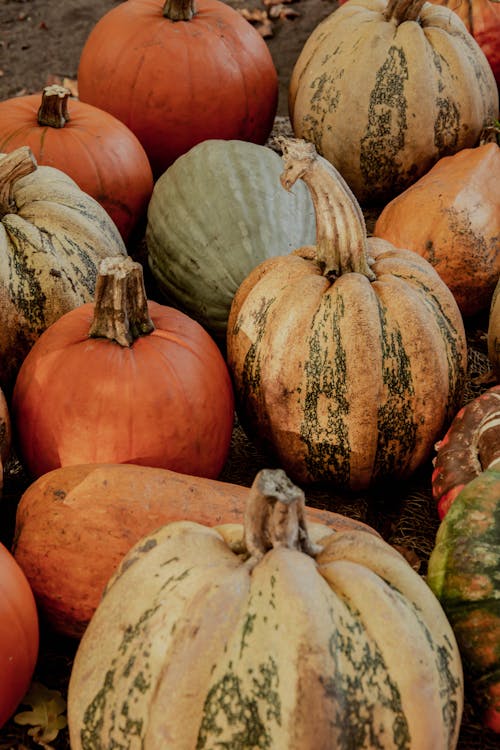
384,90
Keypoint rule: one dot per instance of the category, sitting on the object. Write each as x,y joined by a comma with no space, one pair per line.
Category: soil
40,43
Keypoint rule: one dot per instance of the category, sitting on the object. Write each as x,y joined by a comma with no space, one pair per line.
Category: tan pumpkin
385,89
348,358
52,238
451,216
272,634
494,332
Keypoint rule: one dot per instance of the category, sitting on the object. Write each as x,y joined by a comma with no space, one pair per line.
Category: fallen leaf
260,20
46,716
281,11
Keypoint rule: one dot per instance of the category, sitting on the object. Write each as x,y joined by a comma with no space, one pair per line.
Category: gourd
83,519
124,379
19,637
178,73
52,238
95,149
470,446
493,336
384,90
273,633
348,358
463,573
214,215
451,216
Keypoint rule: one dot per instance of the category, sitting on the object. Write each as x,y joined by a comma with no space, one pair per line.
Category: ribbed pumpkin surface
214,215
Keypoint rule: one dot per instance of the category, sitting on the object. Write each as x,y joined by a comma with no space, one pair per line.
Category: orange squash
96,150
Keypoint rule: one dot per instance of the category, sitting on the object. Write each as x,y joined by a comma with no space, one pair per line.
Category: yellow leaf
46,716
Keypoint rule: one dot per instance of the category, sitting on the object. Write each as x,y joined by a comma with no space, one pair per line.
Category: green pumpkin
464,573
214,215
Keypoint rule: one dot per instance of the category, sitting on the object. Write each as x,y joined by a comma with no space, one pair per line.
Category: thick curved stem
179,10
121,308
13,166
275,516
341,241
53,111
403,10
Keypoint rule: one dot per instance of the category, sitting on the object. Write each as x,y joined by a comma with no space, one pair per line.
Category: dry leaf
46,716
281,11
260,20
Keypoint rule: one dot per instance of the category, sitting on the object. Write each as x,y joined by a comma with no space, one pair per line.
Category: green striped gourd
348,358
464,573
385,89
269,635
52,238
214,215
494,332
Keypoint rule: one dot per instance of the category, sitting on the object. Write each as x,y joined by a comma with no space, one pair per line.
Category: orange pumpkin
124,380
95,149
5,434
178,73
451,216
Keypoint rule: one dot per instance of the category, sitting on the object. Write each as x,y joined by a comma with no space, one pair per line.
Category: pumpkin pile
173,281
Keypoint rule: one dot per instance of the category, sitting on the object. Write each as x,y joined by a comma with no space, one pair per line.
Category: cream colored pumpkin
265,637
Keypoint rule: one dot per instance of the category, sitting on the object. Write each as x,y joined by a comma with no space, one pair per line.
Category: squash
384,90
5,435
95,149
178,73
463,573
451,216
19,637
83,519
52,238
470,446
494,331
348,358
124,380
275,633
197,256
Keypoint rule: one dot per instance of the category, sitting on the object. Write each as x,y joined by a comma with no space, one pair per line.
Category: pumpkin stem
13,166
275,516
403,10
121,307
341,241
53,111
179,10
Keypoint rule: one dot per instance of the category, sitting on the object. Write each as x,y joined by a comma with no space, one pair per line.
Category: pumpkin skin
407,86
161,398
247,643
463,573
348,358
451,216
19,637
494,332
470,446
199,258
52,238
96,150
83,519
176,83
5,435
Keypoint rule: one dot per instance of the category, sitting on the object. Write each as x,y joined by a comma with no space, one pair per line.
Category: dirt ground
42,39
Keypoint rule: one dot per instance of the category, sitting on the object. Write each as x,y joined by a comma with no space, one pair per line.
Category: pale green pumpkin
214,215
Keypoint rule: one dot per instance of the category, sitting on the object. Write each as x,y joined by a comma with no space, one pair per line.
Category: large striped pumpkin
263,636
384,90
349,357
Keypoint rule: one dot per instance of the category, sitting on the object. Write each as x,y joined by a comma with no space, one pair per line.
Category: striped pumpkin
348,358
263,636
384,90
494,331
53,236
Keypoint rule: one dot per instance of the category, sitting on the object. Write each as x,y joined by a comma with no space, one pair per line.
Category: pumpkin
494,331
347,357
451,216
384,90
19,638
273,633
5,435
470,446
83,519
178,73
52,238
463,573
124,380
197,256
95,149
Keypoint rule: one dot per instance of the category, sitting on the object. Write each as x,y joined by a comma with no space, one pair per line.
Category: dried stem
53,111
13,166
